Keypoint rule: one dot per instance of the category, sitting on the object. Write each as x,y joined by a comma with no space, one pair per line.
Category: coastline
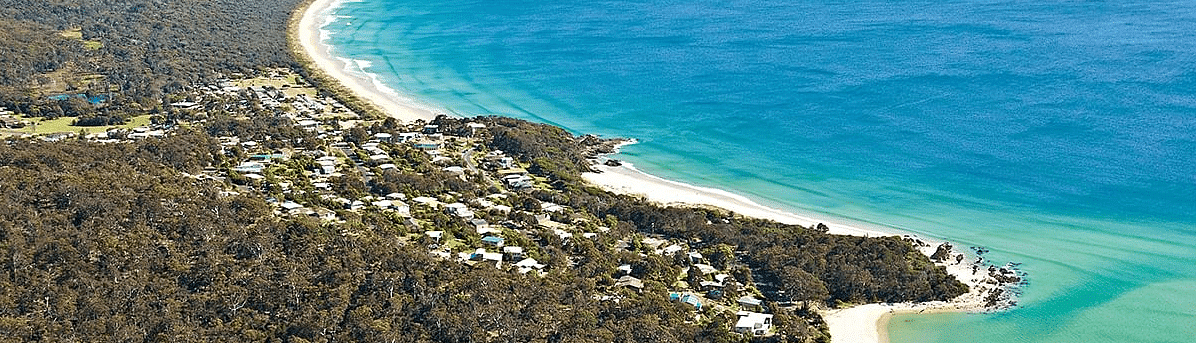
310,40
859,324
864,323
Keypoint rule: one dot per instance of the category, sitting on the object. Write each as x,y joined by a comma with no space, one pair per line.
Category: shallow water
1058,134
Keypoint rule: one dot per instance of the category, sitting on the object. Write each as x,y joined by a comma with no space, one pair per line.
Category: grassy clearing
72,34
290,84
77,34
92,45
63,124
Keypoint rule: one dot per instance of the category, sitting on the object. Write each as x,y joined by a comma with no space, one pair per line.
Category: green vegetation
66,124
283,80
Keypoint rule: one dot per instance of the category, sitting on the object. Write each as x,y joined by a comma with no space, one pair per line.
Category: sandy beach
626,179
310,38
854,325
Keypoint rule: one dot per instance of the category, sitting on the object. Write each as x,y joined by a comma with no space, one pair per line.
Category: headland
862,323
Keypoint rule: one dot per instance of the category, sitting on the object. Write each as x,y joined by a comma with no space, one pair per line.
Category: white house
750,302
383,137
753,323
514,252
435,235
528,264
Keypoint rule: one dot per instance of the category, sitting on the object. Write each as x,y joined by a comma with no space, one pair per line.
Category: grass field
64,125
288,82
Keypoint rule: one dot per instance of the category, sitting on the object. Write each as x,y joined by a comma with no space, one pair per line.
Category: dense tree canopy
148,46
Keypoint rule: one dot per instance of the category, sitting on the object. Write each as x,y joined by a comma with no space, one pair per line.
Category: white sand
628,180
310,38
853,325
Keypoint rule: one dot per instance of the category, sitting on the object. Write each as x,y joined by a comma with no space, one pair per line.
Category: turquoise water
1060,134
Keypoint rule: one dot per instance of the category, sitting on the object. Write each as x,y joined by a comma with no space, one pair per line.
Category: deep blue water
1060,134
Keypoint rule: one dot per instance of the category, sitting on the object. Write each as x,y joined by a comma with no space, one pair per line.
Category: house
427,201
384,137
517,182
290,205
185,105
400,207
249,167
493,241
624,269
474,128
753,323
327,164
705,268
479,223
723,278
750,302
58,136
459,209
695,257
407,136
310,125
630,281
513,252
325,214
565,236
492,257
529,264
711,285
381,204
551,207
427,145
430,129
688,299
435,235
394,205
669,250
487,230
302,211
486,257
506,162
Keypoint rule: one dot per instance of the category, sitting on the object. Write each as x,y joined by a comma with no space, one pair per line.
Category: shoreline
859,324
309,35
856,324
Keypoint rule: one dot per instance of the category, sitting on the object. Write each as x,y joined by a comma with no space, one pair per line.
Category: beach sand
626,179
856,324
310,38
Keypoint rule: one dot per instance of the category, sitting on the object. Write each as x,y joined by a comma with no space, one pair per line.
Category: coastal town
318,171
338,166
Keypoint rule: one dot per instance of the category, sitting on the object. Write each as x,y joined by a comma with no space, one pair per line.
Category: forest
146,48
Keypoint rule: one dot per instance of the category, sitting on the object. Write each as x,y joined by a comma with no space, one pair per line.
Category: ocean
1058,134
